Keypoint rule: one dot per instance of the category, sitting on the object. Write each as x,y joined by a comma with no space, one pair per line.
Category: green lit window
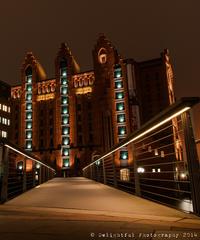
66,163
20,165
65,120
64,110
29,106
64,90
65,152
29,144
120,106
64,81
121,118
119,95
29,79
28,115
65,130
121,130
118,84
28,125
64,100
118,73
65,141
123,155
29,87
28,134
63,72
29,97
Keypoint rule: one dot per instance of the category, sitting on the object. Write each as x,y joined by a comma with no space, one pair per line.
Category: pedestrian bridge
165,169
84,195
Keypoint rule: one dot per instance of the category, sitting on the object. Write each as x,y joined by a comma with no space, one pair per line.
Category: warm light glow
149,149
45,97
37,166
162,154
125,174
183,175
140,170
144,133
156,152
84,90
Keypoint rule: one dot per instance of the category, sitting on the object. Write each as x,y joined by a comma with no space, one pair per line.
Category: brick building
76,116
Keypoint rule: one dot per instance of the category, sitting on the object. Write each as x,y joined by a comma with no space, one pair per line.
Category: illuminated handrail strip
141,134
25,155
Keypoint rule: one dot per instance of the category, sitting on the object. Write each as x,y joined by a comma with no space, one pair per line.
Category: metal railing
20,171
162,161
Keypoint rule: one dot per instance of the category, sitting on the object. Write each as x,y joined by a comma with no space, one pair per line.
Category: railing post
91,172
48,174
114,170
4,172
136,175
45,174
24,175
34,169
104,172
192,159
40,175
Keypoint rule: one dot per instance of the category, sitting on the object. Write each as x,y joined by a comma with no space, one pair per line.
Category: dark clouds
139,29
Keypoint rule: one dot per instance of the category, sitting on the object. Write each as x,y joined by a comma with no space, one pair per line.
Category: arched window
102,56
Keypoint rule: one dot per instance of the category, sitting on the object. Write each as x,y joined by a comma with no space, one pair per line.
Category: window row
4,108
5,121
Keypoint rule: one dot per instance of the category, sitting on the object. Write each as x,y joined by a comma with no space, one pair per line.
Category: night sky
139,29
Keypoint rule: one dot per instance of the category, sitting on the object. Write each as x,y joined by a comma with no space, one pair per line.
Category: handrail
174,110
15,148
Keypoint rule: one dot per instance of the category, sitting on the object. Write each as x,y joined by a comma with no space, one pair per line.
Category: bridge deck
72,200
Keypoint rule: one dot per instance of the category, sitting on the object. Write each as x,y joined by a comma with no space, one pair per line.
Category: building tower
110,94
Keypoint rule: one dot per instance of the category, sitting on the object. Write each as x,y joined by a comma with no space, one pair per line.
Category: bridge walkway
79,208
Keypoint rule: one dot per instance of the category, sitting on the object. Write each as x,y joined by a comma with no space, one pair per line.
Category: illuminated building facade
73,118
5,118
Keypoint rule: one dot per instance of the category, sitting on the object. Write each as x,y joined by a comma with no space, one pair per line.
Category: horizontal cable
161,195
164,188
164,180
165,163
155,133
155,156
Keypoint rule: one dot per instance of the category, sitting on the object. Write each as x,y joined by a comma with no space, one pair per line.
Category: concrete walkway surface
78,208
